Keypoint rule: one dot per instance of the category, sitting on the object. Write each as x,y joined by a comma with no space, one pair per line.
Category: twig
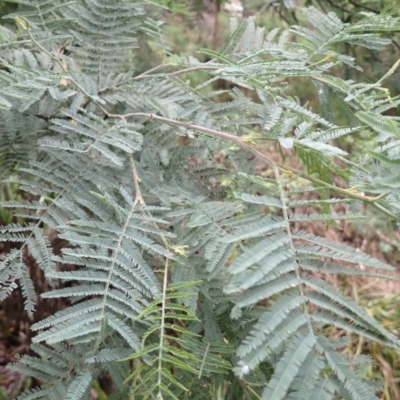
338,6
196,68
356,4
146,74
19,42
201,67
138,193
250,389
243,142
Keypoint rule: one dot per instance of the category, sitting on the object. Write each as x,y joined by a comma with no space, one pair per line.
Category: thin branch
19,42
139,199
138,193
244,143
250,389
203,361
146,74
196,68
187,125
338,6
356,4
201,67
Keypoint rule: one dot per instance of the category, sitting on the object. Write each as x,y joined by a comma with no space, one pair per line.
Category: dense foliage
190,274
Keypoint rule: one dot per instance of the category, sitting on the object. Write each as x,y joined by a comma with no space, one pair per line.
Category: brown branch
138,193
284,168
356,4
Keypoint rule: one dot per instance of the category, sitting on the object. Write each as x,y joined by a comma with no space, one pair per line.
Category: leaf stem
148,74
292,246
162,326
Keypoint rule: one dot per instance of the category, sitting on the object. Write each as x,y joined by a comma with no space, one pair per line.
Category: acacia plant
188,274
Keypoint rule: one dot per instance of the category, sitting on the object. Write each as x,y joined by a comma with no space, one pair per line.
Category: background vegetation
205,24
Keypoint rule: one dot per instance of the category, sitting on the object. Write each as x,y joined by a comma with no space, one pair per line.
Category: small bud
22,22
